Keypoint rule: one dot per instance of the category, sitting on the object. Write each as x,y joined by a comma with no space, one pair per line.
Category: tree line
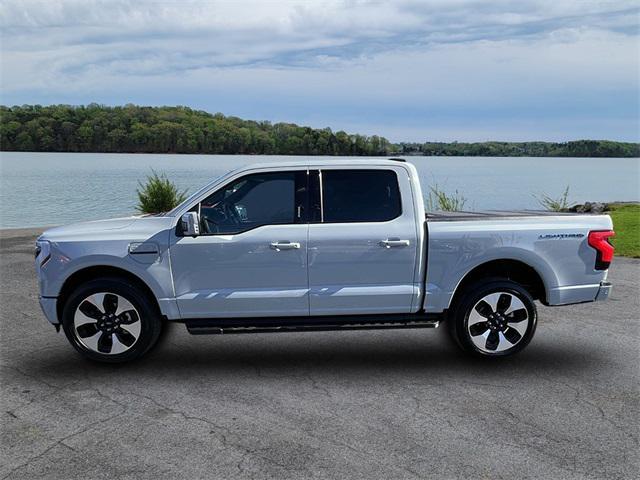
137,129
577,148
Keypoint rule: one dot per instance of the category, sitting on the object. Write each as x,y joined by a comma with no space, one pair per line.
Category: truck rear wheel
111,320
493,318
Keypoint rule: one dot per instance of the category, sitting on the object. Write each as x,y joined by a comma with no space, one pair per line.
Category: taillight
599,240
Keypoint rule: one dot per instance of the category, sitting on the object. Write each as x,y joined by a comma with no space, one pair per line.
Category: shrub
440,200
158,194
560,204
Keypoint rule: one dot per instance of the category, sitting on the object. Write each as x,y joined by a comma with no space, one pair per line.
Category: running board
308,324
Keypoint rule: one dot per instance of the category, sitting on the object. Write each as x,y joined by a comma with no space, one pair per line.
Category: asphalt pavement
336,405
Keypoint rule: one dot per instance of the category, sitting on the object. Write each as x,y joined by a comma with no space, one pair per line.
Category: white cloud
330,62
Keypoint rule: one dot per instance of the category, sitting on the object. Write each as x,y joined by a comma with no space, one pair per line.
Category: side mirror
190,224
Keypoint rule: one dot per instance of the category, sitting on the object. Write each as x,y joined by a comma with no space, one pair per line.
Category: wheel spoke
478,328
484,309
105,342
110,303
128,317
92,341
520,326
492,341
504,302
125,337
516,304
512,335
90,310
475,317
517,316
87,330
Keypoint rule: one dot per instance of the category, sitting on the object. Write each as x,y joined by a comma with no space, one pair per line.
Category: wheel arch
101,271
515,270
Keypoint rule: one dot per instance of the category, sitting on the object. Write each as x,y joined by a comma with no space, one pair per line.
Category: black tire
498,324
146,314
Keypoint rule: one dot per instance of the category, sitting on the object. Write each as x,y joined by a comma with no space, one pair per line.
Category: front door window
253,201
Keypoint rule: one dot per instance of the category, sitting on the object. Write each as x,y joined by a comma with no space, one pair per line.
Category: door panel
350,273
363,267
242,275
251,259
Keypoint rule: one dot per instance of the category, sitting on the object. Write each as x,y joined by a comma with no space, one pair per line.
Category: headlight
43,251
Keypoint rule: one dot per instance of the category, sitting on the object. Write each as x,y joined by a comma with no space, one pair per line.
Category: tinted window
360,196
253,201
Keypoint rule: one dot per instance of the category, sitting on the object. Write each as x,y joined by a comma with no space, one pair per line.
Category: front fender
69,258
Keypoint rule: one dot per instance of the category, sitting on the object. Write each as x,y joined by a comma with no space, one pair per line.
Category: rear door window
360,196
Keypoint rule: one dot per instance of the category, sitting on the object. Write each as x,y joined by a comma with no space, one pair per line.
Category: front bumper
49,308
603,291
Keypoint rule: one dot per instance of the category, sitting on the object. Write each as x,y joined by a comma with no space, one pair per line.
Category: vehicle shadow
364,355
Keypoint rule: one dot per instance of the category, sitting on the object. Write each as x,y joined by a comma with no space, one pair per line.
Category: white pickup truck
322,245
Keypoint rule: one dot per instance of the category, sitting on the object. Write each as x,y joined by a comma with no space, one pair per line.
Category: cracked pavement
379,404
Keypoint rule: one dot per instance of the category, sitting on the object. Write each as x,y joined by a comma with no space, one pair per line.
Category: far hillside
138,129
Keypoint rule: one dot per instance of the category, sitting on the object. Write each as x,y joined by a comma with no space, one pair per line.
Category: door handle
277,246
394,242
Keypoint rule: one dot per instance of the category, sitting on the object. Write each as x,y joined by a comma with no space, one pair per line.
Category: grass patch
439,200
626,223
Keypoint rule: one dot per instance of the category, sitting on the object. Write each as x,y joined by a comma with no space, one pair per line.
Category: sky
431,70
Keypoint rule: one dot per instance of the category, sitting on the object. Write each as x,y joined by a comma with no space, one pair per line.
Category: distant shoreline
180,130
408,155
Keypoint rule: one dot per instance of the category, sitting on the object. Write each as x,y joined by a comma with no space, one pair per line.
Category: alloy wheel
107,323
498,322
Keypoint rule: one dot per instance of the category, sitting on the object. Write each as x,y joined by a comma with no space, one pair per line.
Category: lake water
39,189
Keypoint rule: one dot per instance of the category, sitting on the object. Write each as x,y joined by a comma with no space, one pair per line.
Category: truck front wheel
111,320
493,318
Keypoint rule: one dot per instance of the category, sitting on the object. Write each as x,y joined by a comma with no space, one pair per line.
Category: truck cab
292,241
